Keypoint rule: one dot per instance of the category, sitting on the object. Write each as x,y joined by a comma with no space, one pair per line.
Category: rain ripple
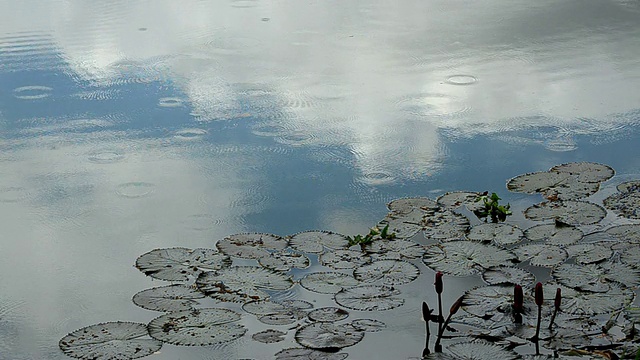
432,104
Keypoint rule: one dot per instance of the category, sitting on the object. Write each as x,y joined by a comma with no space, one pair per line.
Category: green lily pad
475,350
368,325
408,205
596,277
242,283
498,234
553,185
286,318
176,297
445,225
541,254
631,257
251,245
568,212
264,307
180,264
284,260
585,303
197,327
328,336
587,172
625,204
500,275
404,226
629,233
316,241
455,199
369,298
327,282
462,258
328,314
110,341
629,186
589,253
396,249
554,234
389,272
488,301
344,259
308,354
269,336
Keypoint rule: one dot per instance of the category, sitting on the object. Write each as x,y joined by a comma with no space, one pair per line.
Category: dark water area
133,125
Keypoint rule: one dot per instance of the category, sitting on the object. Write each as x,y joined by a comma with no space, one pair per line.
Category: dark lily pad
316,241
629,186
242,283
197,327
568,212
554,234
627,203
168,298
264,307
308,354
286,318
461,258
344,259
631,257
251,245
553,185
110,341
369,298
180,264
408,205
541,254
508,275
499,234
585,303
403,226
328,314
269,336
397,249
327,282
589,253
475,350
596,277
455,199
445,225
627,232
588,172
328,336
284,260
389,272
368,325
488,301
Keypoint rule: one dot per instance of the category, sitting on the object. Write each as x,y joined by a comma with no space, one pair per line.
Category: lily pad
475,350
554,234
344,259
389,272
396,249
327,282
553,185
328,336
629,186
488,301
591,303
369,298
588,172
308,354
176,297
589,253
286,318
368,325
627,232
284,260
328,314
269,336
110,341
264,307
180,264
242,283
568,212
197,327
508,275
631,257
626,204
596,277
445,225
315,241
541,254
408,205
251,245
462,258
455,199
499,234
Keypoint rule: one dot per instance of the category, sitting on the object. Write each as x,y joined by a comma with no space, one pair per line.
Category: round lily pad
499,234
455,199
462,258
541,254
476,350
180,264
242,283
368,325
568,212
445,225
110,341
404,226
284,260
591,303
264,307
487,301
408,205
396,249
176,297
197,327
327,282
251,245
389,272
589,253
269,336
596,277
629,186
308,354
554,234
625,204
627,232
508,275
328,336
316,241
285,318
344,259
369,298
588,172
631,256
328,314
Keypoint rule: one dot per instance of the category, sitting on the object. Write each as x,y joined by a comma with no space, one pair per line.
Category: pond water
133,125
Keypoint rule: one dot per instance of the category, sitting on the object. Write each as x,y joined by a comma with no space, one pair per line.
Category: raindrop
190,134
106,156
170,102
135,189
461,79
32,92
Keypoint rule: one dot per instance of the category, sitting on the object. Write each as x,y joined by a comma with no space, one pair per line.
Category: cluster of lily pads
597,273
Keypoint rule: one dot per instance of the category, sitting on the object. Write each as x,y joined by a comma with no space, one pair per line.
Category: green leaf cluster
492,207
374,233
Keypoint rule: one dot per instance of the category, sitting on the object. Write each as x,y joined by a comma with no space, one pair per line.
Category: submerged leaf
168,298
327,282
197,327
568,212
499,234
180,264
327,336
110,341
316,241
390,272
461,258
242,283
369,298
